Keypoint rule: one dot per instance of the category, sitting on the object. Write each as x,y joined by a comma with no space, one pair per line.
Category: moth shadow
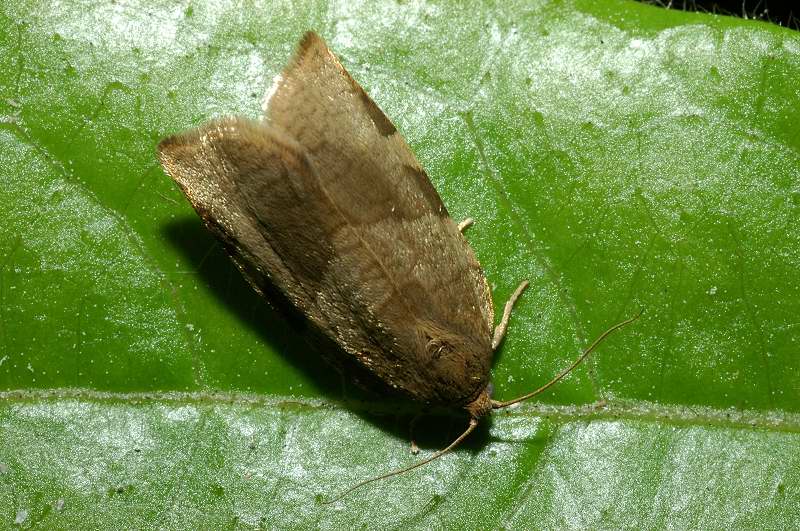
286,331
216,270
431,432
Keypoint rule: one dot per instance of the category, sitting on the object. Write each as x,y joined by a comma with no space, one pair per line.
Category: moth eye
490,389
436,348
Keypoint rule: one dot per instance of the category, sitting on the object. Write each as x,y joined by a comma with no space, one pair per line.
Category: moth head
457,364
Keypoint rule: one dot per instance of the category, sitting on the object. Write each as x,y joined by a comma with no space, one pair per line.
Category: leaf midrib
624,410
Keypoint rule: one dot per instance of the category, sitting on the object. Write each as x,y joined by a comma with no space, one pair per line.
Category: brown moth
323,204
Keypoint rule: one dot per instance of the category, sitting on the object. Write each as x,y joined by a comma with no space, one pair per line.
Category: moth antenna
473,422
497,405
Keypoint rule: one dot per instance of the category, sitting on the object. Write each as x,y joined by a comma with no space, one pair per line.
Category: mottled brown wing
326,199
230,167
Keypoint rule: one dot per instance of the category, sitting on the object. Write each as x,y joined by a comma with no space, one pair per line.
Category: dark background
782,13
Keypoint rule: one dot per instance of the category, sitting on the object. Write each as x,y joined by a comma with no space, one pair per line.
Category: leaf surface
617,155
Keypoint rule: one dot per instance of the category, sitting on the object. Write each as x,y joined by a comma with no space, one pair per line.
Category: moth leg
500,330
411,427
464,224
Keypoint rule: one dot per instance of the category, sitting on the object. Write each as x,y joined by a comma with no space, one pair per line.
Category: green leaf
618,155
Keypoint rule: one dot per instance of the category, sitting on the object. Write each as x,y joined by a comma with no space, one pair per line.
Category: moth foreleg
500,330
464,224
411,428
